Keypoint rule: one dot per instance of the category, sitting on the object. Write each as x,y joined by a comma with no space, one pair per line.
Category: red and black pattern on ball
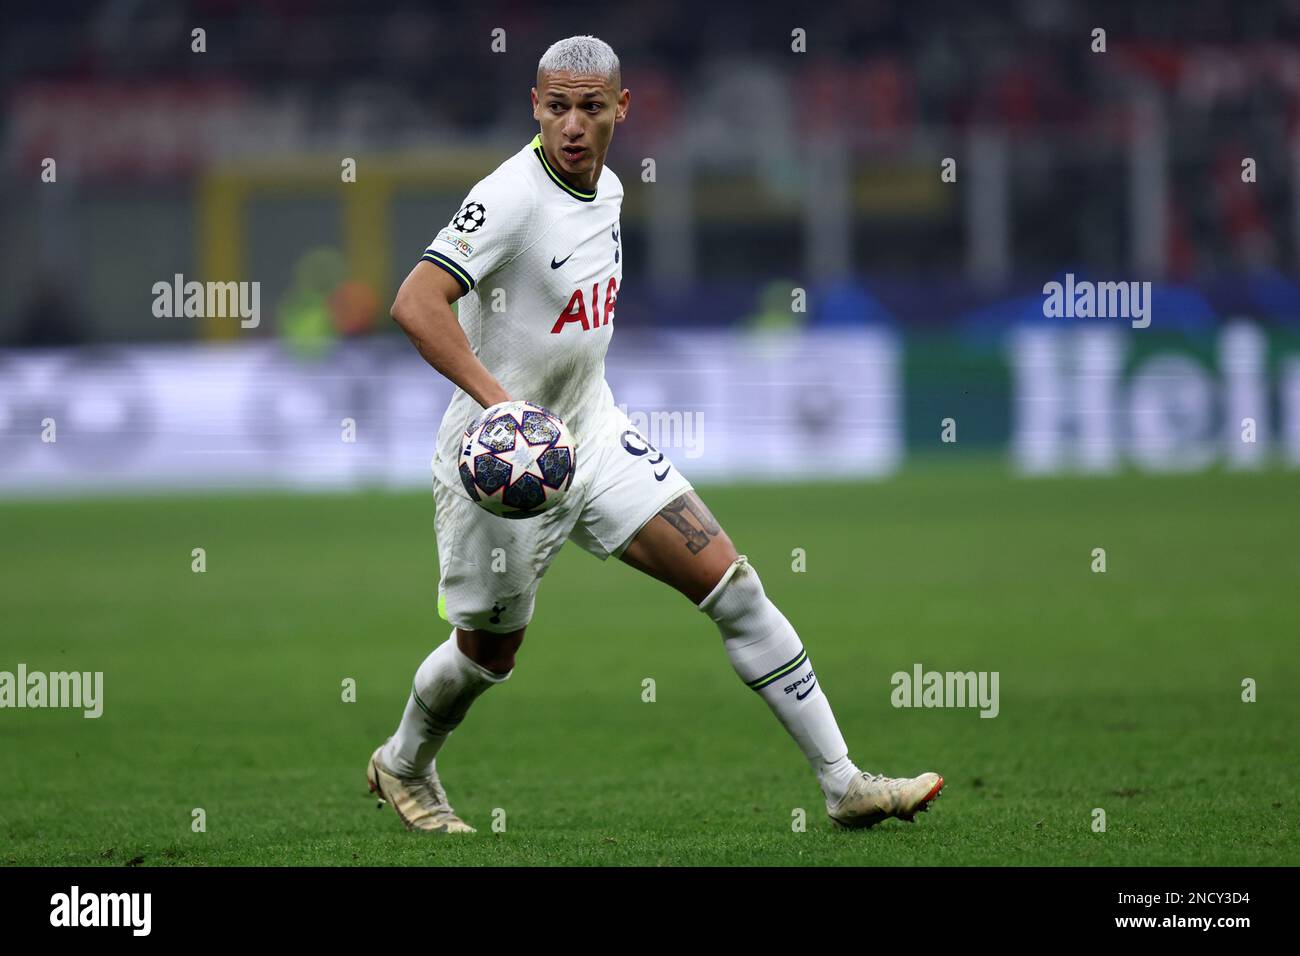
538,428
525,495
491,474
556,466
499,433
467,479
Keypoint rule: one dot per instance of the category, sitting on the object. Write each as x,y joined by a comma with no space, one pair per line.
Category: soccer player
535,257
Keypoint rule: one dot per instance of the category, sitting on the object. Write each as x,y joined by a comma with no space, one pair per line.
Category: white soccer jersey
541,264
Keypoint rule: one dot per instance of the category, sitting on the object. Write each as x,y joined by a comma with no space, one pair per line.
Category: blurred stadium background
775,173
772,171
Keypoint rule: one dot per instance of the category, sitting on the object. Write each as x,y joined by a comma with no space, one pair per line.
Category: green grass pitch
1119,691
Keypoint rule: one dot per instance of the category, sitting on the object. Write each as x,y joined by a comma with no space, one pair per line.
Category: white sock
769,657
445,685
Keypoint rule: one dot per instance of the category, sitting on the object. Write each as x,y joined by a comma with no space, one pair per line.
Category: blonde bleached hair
581,56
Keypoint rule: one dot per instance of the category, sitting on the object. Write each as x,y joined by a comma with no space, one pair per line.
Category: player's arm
423,310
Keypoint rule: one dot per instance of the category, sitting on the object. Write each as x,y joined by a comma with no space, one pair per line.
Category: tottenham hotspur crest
470,218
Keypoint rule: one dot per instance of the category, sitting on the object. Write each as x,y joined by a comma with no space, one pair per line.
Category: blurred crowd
904,77
1020,63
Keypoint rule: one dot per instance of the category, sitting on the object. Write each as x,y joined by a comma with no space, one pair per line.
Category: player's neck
585,182
588,182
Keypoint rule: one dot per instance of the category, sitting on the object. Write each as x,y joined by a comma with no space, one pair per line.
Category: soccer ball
517,460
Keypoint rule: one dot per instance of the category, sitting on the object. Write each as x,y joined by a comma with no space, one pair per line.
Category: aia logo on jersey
589,313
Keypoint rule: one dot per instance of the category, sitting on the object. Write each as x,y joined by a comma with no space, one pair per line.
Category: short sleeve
489,230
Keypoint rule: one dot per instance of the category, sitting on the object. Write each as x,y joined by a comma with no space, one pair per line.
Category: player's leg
449,680
489,649
490,570
685,547
403,771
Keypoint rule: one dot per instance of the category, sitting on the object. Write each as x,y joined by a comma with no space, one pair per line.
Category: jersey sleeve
490,228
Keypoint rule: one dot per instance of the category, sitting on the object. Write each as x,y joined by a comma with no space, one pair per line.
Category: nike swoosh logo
808,691
659,477
556,265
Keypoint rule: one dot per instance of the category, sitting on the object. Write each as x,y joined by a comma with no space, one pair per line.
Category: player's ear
536,112
624,101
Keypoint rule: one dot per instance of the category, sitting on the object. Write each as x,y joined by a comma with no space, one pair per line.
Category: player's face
577,114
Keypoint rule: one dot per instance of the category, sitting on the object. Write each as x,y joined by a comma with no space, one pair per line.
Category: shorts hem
677,492
493,629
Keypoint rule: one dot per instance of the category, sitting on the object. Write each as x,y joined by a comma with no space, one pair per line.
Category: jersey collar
554,176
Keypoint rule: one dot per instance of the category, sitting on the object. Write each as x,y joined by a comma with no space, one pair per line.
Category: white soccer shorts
490,567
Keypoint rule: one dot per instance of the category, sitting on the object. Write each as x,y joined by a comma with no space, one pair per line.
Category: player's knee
495,652
725,554
708,569
737,601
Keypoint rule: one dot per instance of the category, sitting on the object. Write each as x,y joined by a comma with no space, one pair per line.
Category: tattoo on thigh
689,516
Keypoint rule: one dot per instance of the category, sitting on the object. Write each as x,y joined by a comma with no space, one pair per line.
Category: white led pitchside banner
722,406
